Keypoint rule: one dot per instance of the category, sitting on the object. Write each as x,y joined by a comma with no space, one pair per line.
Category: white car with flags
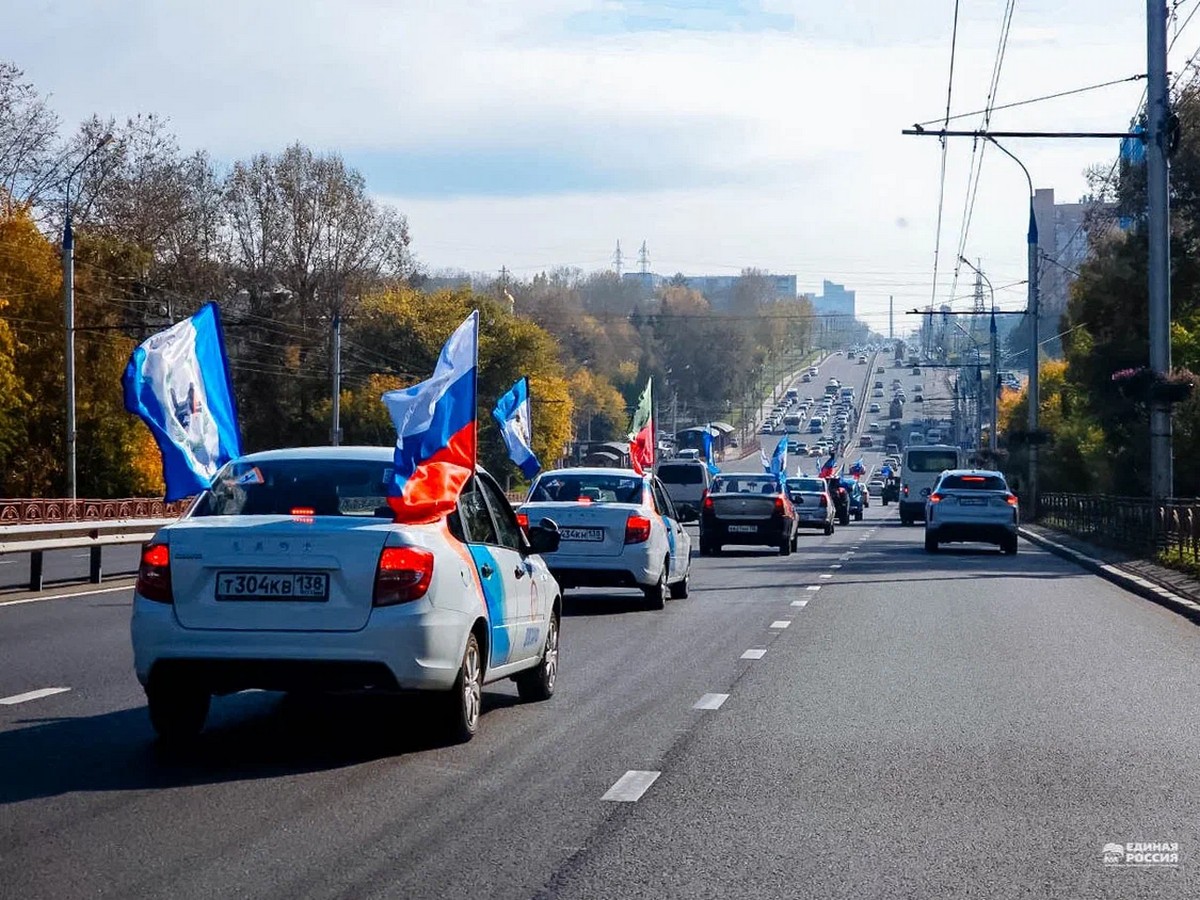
290,573
618,528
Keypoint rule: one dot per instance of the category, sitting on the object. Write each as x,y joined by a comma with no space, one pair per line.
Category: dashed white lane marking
836,566
127,587
7,562
710,701
813,587
630,786
800,603
826,575
32,695
754,654
780,623
846,556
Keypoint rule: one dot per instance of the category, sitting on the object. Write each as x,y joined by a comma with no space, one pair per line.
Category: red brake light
1011,499
404,574
708,500
935,498
779,505
637,530
154,574
904,490
303,511
825,500
523,520
973,478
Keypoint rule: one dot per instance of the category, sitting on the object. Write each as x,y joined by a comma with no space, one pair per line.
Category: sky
724,134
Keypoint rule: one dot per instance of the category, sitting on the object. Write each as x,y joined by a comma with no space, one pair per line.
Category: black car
747,509
841,500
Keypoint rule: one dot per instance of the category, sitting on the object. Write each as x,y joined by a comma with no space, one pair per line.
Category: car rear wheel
465,700
656,594
858,516
538,683
679,590
177,712
931,543
828,528
1009,547
785,547
796,541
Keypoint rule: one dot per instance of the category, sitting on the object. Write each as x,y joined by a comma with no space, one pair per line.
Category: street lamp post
994,391
1034,397
68,264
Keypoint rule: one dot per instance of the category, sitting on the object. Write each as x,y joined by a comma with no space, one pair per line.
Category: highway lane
65,566
955,725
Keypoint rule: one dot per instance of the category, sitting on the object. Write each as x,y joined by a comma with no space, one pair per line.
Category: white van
919,473
686,482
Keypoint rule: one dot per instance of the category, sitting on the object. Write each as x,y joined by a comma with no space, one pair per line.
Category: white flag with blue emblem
177,382
516,427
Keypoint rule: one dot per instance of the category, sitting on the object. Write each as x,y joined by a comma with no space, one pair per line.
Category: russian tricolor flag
435,431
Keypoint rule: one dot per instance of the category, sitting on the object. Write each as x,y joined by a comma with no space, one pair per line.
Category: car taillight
935,497
904,490
403,575
154,574
1011,499
708,501
779,507
523,520
825,500
637,530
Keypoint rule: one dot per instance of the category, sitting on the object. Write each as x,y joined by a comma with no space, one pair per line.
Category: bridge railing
1135,524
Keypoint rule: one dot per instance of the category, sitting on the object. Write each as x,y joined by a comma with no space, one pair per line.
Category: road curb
1143,587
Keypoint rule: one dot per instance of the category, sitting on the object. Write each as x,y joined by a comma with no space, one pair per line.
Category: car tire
905,522
931,543
885,503
858,516
679,590
464,701
1009,547
537,684
656,594
828,528
785,547
177,713
844,520
796,541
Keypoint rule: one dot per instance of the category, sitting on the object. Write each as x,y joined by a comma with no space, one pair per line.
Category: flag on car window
706,439
177,382
779,460
435,431
516,427
641,431
829,467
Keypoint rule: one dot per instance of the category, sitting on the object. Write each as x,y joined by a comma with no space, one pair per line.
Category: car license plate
973,501
581,534
743,529
304,586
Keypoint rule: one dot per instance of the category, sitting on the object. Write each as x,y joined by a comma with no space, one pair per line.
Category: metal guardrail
94,535
1135,524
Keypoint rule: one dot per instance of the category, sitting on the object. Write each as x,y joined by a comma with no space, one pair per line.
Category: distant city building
834,300
1063,231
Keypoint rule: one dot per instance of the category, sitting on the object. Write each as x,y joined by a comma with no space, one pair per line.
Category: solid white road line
813,587
754,654
32,695
800,603
780,623
127,587
630,786
710,701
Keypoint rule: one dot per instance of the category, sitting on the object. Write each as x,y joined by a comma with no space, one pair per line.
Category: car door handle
519,571
486,571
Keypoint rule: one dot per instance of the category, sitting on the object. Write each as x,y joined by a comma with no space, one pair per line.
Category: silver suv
971,505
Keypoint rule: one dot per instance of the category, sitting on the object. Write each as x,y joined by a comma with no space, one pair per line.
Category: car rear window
813,485
973,483
560,487
675,473
309,487
932,461
749,484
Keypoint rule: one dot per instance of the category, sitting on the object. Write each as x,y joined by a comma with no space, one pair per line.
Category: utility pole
335,433
891,318
1033,395
617,259
644,260
1162,481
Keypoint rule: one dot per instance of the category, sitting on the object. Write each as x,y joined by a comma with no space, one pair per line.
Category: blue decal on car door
492,580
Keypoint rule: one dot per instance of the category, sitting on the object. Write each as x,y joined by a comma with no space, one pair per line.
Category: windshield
572,487
676,473
310,487
932,461
745,484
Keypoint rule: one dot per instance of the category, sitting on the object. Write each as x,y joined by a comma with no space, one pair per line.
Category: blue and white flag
764,459
779,460
513,416
177,382
707,440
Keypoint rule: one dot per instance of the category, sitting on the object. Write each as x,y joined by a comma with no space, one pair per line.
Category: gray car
971,505
814,508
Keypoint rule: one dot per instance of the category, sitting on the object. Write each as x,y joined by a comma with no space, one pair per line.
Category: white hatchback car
290,574
618,529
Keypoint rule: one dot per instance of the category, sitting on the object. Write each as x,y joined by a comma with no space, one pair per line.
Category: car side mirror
544,537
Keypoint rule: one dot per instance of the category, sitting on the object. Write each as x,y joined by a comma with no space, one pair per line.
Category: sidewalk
1167,587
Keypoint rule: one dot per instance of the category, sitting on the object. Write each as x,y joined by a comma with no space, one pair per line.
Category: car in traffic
840,498
686,482
922,466
855,498
972,505
874,407
747,509
290,573
814,508
617,528
875,487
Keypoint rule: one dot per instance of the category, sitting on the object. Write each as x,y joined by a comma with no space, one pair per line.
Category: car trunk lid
585,529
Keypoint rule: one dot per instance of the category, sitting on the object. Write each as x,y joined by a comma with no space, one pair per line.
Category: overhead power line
1044,97
937,245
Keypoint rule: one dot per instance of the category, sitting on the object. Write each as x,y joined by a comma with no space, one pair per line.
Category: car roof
373,454
609,470
983,472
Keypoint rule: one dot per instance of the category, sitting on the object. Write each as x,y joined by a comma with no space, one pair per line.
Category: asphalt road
66,566
879,722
